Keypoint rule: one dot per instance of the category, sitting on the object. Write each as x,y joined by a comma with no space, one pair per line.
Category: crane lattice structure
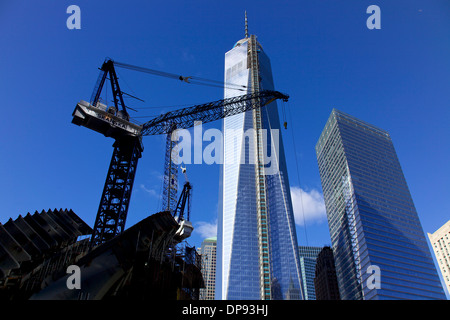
114,121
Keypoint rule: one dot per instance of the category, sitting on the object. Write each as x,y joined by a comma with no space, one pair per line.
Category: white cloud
151,192
157,174
206,229
308,206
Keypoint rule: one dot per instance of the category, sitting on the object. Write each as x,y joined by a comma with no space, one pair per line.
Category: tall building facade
440,241
325,279
208,253
308,256
257,251
374,227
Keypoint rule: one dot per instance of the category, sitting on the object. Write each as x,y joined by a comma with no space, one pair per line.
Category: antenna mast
246,25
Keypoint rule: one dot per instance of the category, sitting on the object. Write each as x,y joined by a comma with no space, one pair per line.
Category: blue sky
322,55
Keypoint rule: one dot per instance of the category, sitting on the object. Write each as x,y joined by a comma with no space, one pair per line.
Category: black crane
114,121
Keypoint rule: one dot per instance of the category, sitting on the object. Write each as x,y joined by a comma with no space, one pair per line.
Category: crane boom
185,118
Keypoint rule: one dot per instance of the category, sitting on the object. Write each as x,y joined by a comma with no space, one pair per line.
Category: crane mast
116,195
113,121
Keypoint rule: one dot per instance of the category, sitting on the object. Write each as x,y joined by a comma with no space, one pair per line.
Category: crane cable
298,175
141,108
188,79
197,81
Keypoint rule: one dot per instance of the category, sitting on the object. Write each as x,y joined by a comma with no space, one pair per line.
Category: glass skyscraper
374,227
308,256
257,251
208,253
440,242
325,279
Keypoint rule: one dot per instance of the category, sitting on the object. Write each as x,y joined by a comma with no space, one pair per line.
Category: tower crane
114,122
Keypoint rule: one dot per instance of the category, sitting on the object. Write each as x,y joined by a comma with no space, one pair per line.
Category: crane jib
185,118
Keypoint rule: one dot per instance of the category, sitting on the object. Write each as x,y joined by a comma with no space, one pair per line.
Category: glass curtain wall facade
257,255
440,242
208,253
371,215
325,279
308,256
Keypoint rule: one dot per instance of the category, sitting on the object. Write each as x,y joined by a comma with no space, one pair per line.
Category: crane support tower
114,122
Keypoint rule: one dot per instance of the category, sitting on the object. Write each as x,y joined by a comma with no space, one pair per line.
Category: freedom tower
257,250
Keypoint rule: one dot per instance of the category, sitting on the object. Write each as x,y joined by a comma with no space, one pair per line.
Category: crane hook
183,170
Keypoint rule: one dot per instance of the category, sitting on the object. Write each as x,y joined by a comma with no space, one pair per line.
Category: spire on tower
246,25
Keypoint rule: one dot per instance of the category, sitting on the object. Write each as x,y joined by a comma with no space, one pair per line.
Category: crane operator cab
107,120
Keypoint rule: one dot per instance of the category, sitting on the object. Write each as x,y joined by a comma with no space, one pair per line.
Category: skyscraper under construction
257,250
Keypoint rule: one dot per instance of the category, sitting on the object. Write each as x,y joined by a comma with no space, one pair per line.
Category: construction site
147,261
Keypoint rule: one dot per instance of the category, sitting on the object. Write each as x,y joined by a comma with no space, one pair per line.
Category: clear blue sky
322,55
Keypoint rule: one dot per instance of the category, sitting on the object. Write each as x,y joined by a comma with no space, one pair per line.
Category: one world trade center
257,250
